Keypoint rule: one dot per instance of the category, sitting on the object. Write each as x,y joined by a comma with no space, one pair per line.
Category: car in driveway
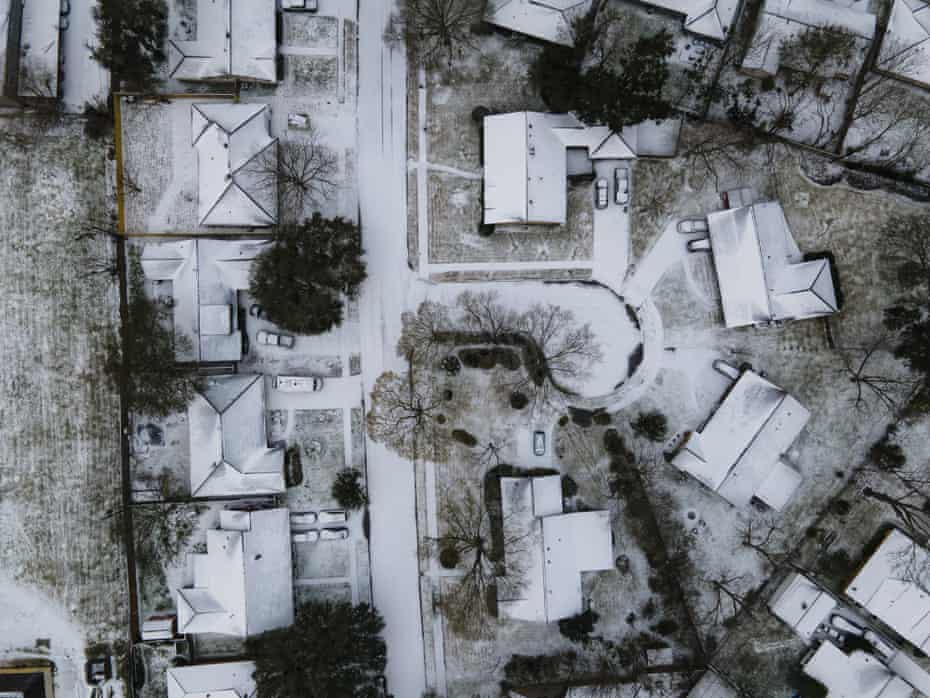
303,518
306,537
334,534
539,443
622,186
600,193
331,516
275,339
689,226
298,384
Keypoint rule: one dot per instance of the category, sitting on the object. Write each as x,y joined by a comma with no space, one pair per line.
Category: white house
801,604
242,585
739,452
761,273
858,674
235,39
201,279
543,570
229,453
780,21
226,680
526,160
905,50
231,141
892,585
549,20
712,19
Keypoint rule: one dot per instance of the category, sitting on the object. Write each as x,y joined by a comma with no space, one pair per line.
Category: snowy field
59,466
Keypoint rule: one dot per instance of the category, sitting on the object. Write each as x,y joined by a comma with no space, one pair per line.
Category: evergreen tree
131,39
348,489
302,279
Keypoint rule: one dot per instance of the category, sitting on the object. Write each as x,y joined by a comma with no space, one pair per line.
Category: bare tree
163,527
889,391
298,172
727,600
92,227
437,30
425,334
766,537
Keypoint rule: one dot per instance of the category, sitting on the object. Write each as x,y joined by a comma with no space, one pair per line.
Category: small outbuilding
226,680
801,604
548,20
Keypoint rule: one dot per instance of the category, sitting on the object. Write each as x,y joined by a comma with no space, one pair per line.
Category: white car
692,225
600,193
332,516
306,537
274,339
298,384
303,518
622,185
334,534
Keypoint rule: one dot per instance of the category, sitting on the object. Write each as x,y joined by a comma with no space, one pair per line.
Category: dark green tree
131,39
651,425
333,650
154,384
348,489
303,278
578,628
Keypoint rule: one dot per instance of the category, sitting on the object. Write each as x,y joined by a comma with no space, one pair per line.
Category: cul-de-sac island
464,348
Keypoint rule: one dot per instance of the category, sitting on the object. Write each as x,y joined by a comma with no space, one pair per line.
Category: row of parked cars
621,189
301,520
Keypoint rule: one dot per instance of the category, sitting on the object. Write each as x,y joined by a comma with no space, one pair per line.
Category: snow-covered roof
229,453
760,271
525,160
543,579
549,20
855,675
744,440
242,584
712,685
710,18
205,277
230,139
782,20
235,39
226,680
39,45
892,585
801,604
905,51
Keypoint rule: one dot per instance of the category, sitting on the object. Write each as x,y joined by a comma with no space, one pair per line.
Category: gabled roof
760,272
905,51
229,138
801,604
226,680
712,685
228,445
549,20
243,583
710,18
743,441
235,39
854,675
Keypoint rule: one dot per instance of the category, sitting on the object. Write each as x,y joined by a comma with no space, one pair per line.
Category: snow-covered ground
84,80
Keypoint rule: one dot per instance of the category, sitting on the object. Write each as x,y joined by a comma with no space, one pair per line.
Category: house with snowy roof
235,39
527,158
553,549
229,452
905,49
548,20
740,451
857,674
231,142
30,50
224,680
711,19
801,604
780,21
242,585
200,281
892,585
763,277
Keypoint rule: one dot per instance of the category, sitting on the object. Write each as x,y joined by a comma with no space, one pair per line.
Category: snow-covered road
388,291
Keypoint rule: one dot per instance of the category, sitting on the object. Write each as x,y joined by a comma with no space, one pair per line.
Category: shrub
348,489
465,438
666,627
583,418
840,507
651,425
836,564
449,557
578,628
451,365
602,418
518,400
886,455
563,420
569,487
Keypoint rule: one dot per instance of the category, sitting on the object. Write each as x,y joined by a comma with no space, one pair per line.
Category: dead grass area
59,417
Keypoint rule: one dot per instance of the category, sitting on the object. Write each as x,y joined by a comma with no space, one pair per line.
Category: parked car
692,225
306,537
298,384
98,670
300,5
845,625
303,518
274,339
257,310
699,245
332,516
298,121
65,7
539,443
600,193
882,647
622,185
334,534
